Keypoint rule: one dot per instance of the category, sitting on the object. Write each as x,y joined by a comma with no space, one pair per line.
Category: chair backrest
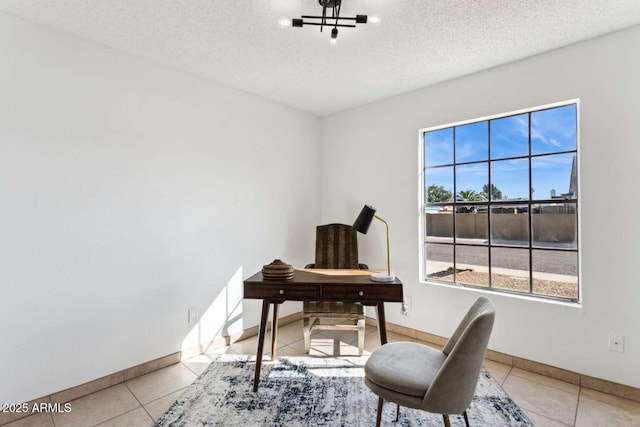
336,246
454,386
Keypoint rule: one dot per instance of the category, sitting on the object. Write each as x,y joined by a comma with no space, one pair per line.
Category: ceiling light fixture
331,18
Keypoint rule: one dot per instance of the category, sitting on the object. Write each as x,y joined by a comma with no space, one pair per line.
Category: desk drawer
287,292
366,292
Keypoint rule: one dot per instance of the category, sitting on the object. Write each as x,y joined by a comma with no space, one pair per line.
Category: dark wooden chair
336,248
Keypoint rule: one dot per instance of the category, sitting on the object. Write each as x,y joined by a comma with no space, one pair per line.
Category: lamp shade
362,223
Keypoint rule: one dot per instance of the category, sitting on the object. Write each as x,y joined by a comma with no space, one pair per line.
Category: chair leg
397,412
306,327
446,420
360,336
466,419
379,414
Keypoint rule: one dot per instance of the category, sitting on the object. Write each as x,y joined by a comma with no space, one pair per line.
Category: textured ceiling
239,43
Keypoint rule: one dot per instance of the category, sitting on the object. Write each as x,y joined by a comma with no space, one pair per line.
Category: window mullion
489,203
455,208
530,213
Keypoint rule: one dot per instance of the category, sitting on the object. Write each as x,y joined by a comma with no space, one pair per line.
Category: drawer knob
361,293
281,292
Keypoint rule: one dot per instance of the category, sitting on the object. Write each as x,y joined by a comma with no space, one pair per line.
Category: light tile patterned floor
141,401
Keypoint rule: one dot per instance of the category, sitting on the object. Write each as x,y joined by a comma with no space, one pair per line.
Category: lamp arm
388,255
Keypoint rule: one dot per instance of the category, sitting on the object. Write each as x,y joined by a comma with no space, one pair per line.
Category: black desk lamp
361,225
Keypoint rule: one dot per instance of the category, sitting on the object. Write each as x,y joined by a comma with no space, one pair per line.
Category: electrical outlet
191,315
406,305
408,301
616,343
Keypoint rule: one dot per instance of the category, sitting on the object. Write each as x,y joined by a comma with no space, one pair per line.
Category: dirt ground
519,284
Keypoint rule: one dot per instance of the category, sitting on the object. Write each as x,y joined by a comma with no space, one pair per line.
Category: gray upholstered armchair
336,247
417,376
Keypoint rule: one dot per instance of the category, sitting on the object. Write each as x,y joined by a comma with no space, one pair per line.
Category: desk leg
263,327
382,323
274,331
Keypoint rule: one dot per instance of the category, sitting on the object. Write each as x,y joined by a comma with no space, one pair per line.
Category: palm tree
467,195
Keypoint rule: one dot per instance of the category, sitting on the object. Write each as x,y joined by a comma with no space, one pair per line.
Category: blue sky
552,131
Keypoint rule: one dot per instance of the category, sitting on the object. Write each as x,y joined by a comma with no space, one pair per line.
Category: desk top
323,277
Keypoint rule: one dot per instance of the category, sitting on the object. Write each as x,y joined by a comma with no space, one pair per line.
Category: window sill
488,291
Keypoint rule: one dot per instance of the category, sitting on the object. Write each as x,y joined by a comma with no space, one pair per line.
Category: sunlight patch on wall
222,318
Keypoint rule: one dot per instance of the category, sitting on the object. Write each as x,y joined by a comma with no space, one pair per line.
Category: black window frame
570,201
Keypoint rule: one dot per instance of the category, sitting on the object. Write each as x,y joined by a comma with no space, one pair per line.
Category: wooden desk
318,285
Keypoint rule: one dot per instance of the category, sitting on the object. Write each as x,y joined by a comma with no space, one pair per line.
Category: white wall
370,155
130,192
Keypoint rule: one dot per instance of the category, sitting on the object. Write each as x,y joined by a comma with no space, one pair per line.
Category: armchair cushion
411,374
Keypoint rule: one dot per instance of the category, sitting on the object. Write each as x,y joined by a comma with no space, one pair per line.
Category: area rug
312,391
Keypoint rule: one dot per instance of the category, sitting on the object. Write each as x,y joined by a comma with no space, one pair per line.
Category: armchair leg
360,336
306,327
446,420
466,419
379,414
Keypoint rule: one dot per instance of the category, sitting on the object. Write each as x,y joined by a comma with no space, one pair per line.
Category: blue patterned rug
313,391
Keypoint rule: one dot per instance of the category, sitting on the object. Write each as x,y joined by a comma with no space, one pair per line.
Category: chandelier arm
318,24
324,15
348,18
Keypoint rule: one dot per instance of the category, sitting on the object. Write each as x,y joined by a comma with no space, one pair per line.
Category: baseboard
107,381
582,380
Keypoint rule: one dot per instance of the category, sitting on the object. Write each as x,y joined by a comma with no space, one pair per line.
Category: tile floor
141,401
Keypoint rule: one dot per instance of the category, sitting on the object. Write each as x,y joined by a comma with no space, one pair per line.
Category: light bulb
374,19
284,22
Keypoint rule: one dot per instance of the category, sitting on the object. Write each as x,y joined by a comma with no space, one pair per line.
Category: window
500,203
